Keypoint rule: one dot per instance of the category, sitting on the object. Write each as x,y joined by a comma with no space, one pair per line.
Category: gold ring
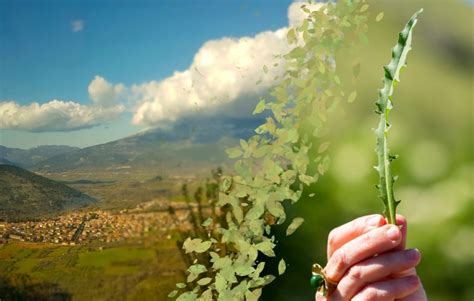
321,282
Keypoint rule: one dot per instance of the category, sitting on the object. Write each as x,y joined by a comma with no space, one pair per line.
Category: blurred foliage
432,133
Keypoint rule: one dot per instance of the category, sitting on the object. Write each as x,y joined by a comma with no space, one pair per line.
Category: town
81,227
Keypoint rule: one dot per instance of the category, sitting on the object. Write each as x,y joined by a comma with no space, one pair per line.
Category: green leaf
180,285
266,247
204,281
187,296
173,294
281,267
352,97
323,147
291,36
260,107
197,269
364,8
295,224
379,17
234,152
207,222
196,245
384,106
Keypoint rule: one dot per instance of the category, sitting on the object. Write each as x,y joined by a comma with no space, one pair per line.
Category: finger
389,290
374,269
418,295
347,232
367,245
320,297
402,221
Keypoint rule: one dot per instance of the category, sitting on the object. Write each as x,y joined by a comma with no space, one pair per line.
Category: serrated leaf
281,267
384,106
294,225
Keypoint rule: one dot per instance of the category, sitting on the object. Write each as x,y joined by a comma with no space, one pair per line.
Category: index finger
347,232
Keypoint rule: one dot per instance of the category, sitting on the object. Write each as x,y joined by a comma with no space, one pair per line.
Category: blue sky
53,50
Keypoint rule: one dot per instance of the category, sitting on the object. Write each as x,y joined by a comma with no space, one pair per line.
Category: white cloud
77,25
59,115
222,75
222,71
104,93
296,15
55,115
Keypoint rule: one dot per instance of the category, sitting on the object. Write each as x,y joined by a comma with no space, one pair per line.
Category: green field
130,271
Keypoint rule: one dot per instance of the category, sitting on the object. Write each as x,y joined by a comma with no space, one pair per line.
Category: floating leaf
196,245
187,296
234,152
295,224
323,147
379,17
204,281
281,267
291,36
260,107
207,222
352,96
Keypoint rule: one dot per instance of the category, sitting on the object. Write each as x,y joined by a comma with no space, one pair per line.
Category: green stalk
384,106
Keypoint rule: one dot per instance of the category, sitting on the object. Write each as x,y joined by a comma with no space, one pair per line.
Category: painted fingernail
393,233
412,254
374,221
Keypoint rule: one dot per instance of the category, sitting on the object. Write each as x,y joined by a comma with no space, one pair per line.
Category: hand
367,258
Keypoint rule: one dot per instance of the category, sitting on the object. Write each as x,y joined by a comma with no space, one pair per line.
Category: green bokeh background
432,132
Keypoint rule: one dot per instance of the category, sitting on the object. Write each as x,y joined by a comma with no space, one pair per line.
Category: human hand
367,258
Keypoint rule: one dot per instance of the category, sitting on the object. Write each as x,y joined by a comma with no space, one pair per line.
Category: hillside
28,157
187,147
25,195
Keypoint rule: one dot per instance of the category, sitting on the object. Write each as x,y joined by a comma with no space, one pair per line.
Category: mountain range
189,145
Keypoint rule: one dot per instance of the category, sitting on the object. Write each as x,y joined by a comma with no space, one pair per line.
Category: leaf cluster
273,166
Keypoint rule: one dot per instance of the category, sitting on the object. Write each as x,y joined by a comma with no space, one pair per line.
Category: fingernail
393,233
374,221
412,254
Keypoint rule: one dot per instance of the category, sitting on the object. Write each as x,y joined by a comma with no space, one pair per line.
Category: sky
87,72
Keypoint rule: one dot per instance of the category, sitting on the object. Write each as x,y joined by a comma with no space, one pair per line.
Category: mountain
26,195
188,146
29,157
6,162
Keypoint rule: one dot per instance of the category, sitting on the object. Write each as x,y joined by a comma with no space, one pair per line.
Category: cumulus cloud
222,71
60,115
77,25
55,115
104,93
